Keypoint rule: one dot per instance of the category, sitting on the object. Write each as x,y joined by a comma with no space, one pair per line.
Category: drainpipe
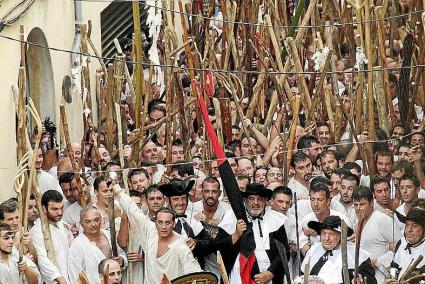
75,57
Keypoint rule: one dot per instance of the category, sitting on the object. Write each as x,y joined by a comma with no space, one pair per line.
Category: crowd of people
298,196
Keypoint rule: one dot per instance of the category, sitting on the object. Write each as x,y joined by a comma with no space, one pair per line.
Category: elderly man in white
91,247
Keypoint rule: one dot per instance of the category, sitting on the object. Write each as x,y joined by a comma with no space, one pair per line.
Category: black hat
331,222
257,189
176,187
415,214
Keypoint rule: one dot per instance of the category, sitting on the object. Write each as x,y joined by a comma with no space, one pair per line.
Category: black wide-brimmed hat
415,214
257,189
176,187
331,222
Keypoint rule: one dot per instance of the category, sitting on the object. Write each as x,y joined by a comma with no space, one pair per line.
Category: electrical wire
185,68
260,24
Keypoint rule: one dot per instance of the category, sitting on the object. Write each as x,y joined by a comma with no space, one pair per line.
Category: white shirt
312,217
403,257
86,255
9,270
71,215
177,261
301,190
48,182
222,208
331,271
377,235
61,238
402,210
304,207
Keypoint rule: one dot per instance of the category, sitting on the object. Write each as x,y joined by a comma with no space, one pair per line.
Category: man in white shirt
52,206
10,264
320,202
409,191
325,256
210,211
90,247
381,189
379,235
300,182
349,183
412,245
45,180
165,251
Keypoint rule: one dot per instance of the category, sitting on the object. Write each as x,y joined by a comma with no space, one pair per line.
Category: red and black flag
248,263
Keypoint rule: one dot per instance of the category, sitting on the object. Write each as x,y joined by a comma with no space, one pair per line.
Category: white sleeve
47,269
75,262
136,217
190,264
33,266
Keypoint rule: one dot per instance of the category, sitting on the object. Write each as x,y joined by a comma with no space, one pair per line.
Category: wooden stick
222,268
190,63
344,231
111,211
292,132
219,124
381,100
370,57
126,72
293,52
71,155
33,184
125,181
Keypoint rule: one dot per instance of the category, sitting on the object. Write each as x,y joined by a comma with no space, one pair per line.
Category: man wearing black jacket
265,265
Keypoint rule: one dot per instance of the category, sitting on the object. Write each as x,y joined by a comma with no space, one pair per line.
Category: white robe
9,270
61,239
377,234
85,255
177,261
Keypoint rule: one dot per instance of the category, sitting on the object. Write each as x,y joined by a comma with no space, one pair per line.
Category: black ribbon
316,268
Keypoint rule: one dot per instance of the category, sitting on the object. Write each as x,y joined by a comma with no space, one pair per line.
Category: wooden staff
33,186
170,44
379,15
111,211
222,268
282,78
344,230
370,57
292,132
109,110
258,88
339,122
182,118
93,47
272,108
126,72
218,120
71,155
380,99
190,63
293,52
88,121
237,104
138,68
